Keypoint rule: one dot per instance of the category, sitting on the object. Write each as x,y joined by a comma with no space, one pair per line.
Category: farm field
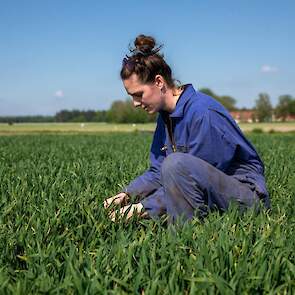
56,238
21,128
111,127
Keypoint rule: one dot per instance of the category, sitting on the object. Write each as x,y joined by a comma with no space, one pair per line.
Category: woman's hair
146,62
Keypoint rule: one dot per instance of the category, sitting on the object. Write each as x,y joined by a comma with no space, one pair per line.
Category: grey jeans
192,187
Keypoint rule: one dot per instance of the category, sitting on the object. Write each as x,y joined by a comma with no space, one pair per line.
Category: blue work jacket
201,126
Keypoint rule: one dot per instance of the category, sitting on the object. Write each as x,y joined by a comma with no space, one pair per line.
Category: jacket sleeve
149,181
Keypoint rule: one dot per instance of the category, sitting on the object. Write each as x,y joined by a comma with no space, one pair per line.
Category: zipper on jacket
170,132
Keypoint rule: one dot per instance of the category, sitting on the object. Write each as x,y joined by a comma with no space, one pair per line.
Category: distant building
288,118
249,116
244,116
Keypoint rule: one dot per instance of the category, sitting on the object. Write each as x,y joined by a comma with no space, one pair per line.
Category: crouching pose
199,159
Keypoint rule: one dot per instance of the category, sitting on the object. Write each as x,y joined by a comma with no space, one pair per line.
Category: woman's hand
119,199
128,211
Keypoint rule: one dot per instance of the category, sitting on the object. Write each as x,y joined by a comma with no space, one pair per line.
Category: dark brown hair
146,62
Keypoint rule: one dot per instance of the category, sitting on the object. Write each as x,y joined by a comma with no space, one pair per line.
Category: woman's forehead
133,85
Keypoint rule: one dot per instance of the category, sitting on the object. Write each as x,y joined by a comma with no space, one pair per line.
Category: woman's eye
137,97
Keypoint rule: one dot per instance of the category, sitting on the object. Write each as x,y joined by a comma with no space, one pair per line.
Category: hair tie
143,51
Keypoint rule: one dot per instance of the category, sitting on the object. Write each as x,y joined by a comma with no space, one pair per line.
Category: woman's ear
159,81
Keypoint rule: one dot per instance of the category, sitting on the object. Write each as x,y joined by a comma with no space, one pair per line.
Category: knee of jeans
182,163
172,163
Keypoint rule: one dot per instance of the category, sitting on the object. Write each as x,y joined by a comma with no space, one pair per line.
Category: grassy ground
56,238
103,127
72,128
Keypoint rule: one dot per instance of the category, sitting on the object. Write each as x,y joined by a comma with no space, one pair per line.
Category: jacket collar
188,92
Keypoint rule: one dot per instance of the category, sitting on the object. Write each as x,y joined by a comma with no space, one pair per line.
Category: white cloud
59,93
268,69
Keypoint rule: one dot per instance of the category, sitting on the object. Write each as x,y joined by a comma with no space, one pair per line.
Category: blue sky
67,54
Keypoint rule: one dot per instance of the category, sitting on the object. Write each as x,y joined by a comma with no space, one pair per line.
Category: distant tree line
265,112
123,111
27,119
119,112
80,116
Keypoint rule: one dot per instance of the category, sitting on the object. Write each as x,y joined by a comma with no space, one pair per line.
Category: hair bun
144,44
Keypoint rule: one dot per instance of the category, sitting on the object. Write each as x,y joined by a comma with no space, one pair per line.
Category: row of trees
81,116
124,111
27,119
265,111
120,112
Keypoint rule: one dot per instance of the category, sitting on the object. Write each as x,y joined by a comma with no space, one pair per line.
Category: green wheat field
56,238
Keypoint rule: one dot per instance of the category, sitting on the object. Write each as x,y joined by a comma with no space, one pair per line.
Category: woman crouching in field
199,159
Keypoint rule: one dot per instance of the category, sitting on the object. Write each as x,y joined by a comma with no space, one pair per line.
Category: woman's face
146,96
